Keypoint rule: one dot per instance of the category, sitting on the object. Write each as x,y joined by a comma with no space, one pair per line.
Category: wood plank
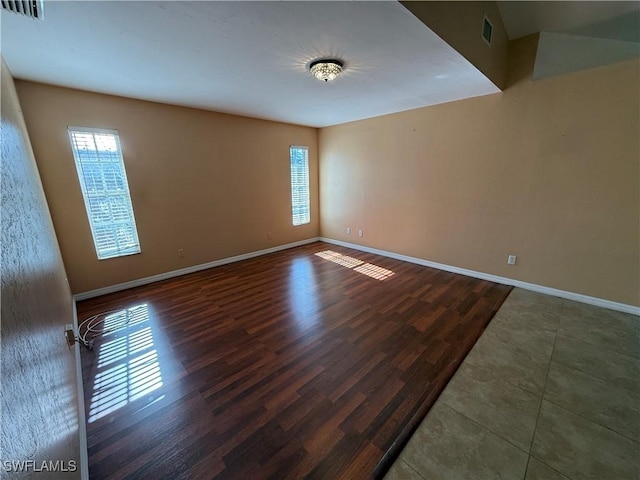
289,365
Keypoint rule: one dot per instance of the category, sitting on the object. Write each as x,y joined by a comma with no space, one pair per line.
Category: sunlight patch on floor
128,365
369,269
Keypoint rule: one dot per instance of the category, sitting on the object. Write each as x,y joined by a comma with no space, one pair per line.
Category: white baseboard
184,271
578,297
82,420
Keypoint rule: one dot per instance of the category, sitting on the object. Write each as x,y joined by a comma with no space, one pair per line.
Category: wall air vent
487,30
28,8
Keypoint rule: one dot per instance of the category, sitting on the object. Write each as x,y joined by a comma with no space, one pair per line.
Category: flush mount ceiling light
326,69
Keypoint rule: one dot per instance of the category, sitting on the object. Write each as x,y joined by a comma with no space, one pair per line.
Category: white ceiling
251,58
247,58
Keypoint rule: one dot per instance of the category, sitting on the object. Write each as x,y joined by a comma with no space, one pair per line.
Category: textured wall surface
546,170
38,378
211,184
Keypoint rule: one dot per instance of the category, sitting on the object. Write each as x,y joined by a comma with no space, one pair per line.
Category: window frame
291,184
117,252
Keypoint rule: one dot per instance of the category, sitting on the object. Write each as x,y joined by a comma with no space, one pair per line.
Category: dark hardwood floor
313,362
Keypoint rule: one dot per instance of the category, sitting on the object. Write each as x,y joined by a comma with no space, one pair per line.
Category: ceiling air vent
28,8
487,30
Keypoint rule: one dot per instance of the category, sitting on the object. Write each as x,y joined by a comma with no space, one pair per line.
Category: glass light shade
326,69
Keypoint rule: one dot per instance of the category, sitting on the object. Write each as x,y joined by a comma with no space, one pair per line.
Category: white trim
578,297
293,177
117,250
82,420
108,131
184,271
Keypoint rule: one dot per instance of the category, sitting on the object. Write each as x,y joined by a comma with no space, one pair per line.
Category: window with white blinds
103,180
300,185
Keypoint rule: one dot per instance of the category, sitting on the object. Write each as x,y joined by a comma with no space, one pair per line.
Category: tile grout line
550,467
593,421
556,331
586,373
411,467
608,350
597,422
486,428
636,326
513,384
540,395
474,421
544,389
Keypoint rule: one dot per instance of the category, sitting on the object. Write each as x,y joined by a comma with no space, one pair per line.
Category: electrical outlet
360,233
511,259
181,253
348,230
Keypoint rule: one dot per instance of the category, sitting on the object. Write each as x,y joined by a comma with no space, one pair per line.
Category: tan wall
212,184
38,383
460,25
546,170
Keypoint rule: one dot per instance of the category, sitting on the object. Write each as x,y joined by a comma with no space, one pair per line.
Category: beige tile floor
551,390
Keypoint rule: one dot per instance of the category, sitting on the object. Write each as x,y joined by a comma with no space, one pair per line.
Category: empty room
324,240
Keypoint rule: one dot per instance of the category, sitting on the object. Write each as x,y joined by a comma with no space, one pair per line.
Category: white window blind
300,185
103,180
